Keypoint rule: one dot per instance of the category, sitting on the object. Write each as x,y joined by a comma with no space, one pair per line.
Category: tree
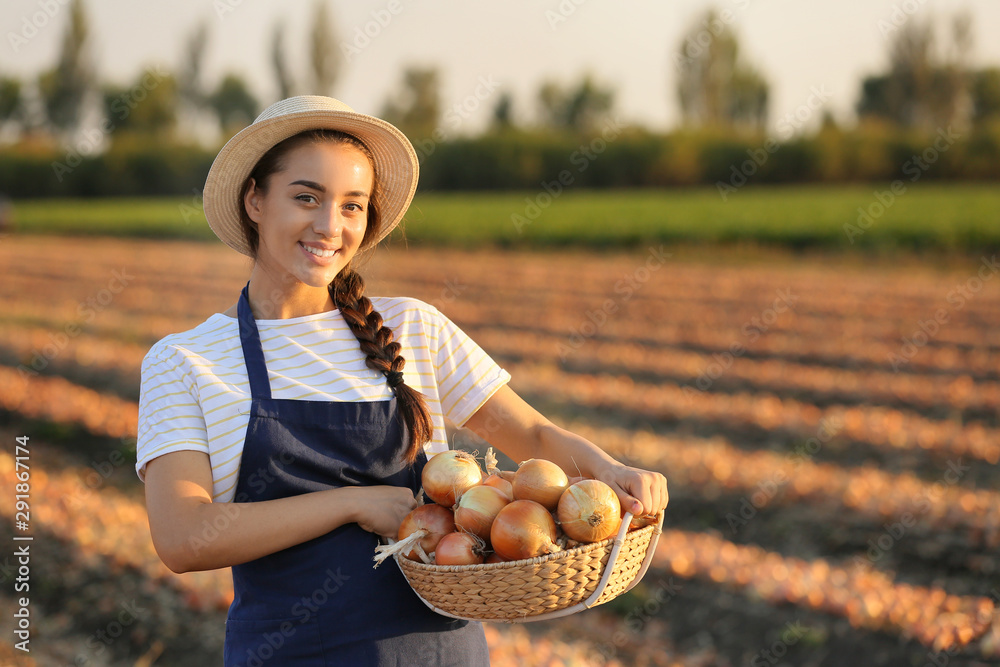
921,89
10,100
148,107
415,109
65,87
986,95
323,53
579,109
281,73
503,112
715,87
190,87
233,103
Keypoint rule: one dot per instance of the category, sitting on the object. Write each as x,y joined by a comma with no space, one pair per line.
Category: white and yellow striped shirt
195,393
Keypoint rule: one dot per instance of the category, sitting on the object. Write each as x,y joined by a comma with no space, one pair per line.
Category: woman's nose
329,222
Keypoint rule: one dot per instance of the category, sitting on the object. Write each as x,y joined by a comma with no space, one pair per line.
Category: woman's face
313,217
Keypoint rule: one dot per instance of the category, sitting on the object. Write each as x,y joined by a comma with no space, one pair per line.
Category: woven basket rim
566,554
422,576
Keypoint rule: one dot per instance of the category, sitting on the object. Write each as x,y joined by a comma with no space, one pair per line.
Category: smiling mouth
318,252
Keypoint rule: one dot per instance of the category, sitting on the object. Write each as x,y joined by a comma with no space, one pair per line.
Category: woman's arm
521,432
190,532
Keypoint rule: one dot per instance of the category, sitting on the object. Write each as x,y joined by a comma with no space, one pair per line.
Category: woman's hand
640,491
380,509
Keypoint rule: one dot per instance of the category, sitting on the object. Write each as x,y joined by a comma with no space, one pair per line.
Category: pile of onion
504,516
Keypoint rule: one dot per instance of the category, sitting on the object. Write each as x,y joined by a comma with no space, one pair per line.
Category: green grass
959,217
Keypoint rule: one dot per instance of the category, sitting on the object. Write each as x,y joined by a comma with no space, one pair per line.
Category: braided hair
382,352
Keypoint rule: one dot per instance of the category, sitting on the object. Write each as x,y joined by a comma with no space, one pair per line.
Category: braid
382,354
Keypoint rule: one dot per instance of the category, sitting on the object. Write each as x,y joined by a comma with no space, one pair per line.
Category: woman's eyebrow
316,186
309,184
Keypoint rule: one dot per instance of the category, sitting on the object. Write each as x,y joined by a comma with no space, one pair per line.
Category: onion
495,558
448,475
589,511
523,529
477,508
498,482
542,481
460,549
437,521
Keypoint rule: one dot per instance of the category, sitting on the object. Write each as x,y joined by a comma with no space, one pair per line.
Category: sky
813,52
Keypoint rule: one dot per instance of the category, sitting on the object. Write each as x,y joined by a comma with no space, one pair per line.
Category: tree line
928,84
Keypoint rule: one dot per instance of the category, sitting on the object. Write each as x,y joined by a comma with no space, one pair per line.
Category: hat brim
396,167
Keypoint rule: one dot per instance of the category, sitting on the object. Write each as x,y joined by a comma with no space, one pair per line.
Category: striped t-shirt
195,393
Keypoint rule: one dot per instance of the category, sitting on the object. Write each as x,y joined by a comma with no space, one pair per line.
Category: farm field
830,430
955,217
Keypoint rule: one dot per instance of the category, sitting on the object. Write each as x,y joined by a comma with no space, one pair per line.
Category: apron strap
253,354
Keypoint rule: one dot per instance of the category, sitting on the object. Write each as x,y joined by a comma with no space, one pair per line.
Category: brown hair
347,289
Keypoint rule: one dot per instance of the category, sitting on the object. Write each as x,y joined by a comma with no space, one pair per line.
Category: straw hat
396,166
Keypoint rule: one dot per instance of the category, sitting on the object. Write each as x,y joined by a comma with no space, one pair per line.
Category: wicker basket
537,588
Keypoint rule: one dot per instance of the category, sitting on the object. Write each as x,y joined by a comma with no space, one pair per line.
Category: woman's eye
355,207
306,198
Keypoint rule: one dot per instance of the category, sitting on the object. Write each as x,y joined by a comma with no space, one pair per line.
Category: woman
285,435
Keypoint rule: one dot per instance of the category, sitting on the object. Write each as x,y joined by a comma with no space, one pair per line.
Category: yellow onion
477,508
589,511
498,482
460,549
523,529
436,520
541,481
448,475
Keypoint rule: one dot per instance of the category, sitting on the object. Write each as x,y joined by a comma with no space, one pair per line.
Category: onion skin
589,511
641,521
459,549
437,520
498,482
523,529
541,481
477,508
448,475
495,558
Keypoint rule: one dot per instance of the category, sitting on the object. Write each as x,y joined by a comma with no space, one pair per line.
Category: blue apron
320,603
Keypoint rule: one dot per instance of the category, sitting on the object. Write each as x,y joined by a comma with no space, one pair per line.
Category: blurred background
752,245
